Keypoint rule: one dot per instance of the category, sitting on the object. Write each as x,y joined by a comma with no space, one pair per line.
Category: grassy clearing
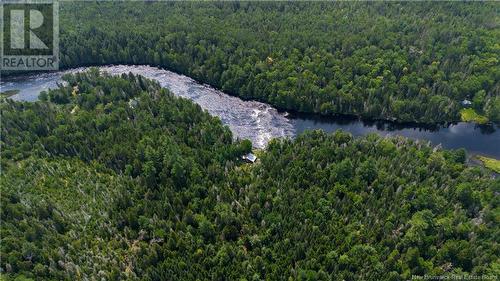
490,163
470,115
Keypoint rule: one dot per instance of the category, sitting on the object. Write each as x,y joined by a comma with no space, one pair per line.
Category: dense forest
114,178
396,61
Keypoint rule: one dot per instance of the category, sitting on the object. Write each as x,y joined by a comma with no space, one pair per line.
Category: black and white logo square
30,35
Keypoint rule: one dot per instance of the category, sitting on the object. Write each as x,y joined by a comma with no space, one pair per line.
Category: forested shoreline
113,177
407,62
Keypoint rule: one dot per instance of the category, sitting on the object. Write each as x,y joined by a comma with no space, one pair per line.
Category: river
260,122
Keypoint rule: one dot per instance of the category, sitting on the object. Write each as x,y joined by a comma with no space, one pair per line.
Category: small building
250,158
466,103
132,103
75,91
269,60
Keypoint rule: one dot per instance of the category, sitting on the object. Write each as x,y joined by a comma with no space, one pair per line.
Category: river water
260,122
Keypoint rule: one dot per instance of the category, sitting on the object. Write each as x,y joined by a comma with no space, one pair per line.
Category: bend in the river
260,122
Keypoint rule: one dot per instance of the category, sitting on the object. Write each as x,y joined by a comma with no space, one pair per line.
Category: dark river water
260,122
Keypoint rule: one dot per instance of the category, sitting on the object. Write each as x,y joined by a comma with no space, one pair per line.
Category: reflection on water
260,122
475,138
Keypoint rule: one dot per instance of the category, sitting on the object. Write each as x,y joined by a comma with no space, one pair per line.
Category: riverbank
8,94
461,117
261,122
490,163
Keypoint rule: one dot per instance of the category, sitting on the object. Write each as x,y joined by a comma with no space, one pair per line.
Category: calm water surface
260,122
